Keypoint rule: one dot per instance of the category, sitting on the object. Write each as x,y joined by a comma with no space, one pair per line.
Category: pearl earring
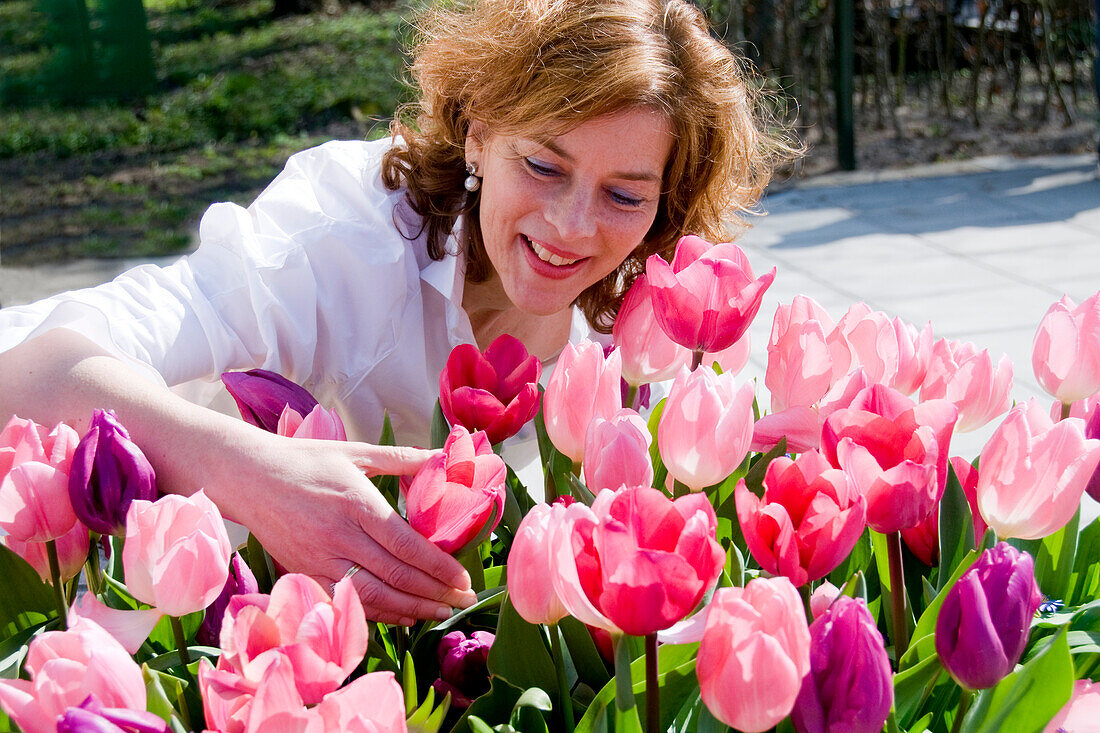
472,182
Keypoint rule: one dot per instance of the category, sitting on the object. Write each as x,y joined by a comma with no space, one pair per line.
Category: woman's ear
475,142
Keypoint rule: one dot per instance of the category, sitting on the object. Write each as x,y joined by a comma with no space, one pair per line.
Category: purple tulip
261,396
108,472
92,717
849,686
463,666
1092,432
983,624
241,581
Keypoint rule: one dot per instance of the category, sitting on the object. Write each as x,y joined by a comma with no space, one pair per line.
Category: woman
556,144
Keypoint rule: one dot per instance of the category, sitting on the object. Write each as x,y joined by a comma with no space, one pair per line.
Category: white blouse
314,281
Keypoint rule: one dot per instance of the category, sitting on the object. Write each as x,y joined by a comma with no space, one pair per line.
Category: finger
383,602
386,617
389,460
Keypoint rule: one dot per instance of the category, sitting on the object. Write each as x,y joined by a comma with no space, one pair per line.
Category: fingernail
442,613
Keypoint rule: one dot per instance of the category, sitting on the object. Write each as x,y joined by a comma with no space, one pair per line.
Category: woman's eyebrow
553,147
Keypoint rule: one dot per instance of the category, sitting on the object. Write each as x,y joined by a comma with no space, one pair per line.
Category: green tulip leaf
1054,559
1085,578
956,527
528,712
168,660
556,465
912,687
494,705
587,662
13,650
24,594
858,561
486,600
388,486
440,428
519,654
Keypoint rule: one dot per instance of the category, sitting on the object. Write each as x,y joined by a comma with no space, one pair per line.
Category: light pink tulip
582,386
801,425
890,351
648,354
72,552
1066,351
1033,472
967,377
706,427
530,566
176,555
733,359
801,366
823,597
319,424
914,356
129,628
1080,714
707,298
67,666
754,653
617,452
34,480
373,703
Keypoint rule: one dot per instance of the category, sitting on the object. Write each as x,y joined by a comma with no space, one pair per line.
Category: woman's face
559,213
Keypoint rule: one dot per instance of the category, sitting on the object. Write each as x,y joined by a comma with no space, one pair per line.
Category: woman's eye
626,200
538,168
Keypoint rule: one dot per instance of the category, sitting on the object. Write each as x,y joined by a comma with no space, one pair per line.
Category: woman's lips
549,263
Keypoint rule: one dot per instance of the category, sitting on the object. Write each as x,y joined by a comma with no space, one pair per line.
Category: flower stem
92,572
897,595
964,706
652,688
1066,406
563,684
631,395
804,591
696,359
181,642
58,591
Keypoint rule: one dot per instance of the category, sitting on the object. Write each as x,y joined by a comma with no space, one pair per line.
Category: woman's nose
573,214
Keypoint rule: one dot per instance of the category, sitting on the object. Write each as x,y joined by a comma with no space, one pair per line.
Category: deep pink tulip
636,561
176,555
801,367
706,427
72,552
707,298
497,391
318,424
464,666
754,653
983,624
849,686
583,385
1066,351
807,522
924,539
261,396
34,480
648,354
1080,714
241,581
458,492
617,452
1033,472
92,717
530,566
895,452
67,666
967,377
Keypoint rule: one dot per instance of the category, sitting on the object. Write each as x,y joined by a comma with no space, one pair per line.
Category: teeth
547,256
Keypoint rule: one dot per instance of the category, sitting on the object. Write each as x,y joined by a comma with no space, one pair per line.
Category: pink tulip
895,451
497,391
373,703
754,653
891,352
823,597
582,386
1089,411
1066,352
1033,472
967,377
319,424
801,367
34,480
67,666
530,566
708,297
648,354
617,452
176,555
732,359
458,492
968,477
808,521
800,425
706,427
636,561
72,552
1080,714
129,627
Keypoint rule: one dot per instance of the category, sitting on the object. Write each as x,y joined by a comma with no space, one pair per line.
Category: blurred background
122,120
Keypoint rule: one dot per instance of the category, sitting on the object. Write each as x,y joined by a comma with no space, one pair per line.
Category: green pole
844,44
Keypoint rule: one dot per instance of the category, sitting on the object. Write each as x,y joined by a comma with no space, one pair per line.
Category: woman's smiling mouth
544,254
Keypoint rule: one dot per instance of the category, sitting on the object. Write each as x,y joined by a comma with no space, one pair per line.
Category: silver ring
355,568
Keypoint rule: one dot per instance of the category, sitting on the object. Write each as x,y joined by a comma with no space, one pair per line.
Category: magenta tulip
463,666
648,354
1092,432
530,565
967,377
1066,351
617,452
72,553
241,581
983,624
261,396
849,686
497,391
458,494
583,385
34,480
91,717
318,424
176,555
1033,472
707,298
807,522
754,653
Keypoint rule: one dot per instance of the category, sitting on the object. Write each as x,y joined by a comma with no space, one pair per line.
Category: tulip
965,376
1033,472
808,520
890,352
636,561
108,472
801,366
648,354
708,297
617,452
801,425
67,666
1066,351
261,396
895,453
1080,714
706,427
754,653
530,565
463,666
34,480
129,627
924,539
91,717
849,686
458,494
583,385
176,555
497,391
241,581
983,624
318,424
823,597
72,553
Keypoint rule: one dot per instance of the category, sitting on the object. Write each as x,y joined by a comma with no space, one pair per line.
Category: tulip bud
464,666
109,471
261,396
823,597
241,581
983,624
34,480
583,384
318,424
1066,351
617,452
529,566
91,717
